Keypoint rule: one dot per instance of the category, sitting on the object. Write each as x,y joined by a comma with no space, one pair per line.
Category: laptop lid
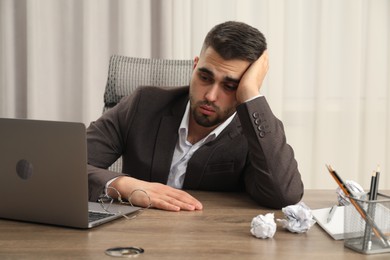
43,173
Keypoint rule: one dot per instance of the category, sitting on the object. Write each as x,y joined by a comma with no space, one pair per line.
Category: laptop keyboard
93,215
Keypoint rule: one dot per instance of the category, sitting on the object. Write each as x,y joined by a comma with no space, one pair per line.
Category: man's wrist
108,184
250,99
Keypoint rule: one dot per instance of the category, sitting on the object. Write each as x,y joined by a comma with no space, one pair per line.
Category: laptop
43,175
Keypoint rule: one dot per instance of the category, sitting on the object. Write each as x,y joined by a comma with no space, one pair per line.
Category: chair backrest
125,74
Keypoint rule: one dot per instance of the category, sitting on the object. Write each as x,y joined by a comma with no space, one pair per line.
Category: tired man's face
213,88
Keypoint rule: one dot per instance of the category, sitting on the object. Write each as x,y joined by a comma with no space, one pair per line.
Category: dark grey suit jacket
251,153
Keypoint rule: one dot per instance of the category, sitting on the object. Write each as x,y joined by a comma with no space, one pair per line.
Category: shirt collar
183,129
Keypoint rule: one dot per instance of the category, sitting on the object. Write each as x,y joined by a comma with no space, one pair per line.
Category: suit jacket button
261,127
262,134
256,115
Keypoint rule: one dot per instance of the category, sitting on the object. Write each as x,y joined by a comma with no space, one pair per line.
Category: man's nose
212,93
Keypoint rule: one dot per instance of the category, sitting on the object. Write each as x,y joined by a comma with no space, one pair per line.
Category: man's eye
204,78
230,87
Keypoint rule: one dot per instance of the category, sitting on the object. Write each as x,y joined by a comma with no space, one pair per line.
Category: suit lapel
199,161
166,142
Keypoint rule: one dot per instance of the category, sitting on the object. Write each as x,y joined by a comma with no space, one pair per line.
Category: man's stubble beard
207,121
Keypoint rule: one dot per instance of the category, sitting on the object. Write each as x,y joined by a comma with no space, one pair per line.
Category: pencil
360,210
370,211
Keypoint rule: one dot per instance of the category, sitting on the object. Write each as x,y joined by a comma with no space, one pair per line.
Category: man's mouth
206,110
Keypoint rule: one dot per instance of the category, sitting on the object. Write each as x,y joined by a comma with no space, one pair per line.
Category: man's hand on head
252,79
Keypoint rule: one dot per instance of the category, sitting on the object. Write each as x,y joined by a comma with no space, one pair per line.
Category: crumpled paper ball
354,187
298,218
263,226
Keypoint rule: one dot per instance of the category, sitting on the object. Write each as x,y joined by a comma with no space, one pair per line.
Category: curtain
328,79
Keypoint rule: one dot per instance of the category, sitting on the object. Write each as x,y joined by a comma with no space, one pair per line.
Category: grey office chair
125,74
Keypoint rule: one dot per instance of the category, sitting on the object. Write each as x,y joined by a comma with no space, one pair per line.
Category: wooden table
220,231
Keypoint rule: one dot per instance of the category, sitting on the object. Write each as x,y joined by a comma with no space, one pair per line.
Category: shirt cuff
253,98
108,184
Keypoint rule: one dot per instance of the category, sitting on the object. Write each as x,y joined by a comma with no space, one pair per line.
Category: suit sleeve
271,172
106,139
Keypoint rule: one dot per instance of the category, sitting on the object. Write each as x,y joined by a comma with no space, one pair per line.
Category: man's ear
196,59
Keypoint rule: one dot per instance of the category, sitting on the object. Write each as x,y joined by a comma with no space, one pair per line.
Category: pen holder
367,225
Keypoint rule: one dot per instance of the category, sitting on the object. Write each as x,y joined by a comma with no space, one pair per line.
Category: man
218,134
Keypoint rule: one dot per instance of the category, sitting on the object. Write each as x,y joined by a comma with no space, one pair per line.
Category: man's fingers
164,205
176,203
185,200
251,81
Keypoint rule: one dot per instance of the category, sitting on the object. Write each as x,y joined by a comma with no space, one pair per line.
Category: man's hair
236,40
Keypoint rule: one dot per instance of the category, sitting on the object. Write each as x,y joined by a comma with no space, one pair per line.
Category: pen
373,187
331,213
361,211
376,186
